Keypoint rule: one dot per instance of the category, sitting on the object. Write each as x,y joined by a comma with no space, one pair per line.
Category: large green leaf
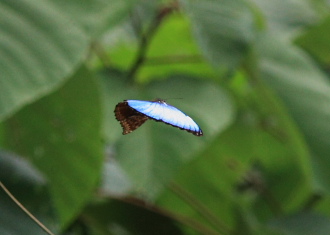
152,154
223,29
306,92
39,48
61,135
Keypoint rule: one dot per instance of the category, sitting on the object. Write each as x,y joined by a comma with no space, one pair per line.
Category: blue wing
161,111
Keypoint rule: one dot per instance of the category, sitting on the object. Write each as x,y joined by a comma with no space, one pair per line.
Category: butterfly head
160,101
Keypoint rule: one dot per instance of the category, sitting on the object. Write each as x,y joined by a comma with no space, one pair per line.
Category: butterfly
133,113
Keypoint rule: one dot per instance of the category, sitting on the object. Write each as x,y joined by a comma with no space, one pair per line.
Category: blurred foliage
254,74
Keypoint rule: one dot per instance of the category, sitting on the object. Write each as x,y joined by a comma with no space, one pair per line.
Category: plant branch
146,39
43,227
174,59
314,199
99,51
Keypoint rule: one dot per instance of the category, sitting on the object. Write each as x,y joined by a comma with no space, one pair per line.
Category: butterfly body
133,113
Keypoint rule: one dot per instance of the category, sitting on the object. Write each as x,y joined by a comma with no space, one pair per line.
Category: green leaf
247,224
95,16
19,169
304,223
61,135
213,178
285,18
306,92
316,41
39,47
223,29
120,217
115,181
152,154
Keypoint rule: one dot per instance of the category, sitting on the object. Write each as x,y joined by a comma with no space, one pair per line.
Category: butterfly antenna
174,98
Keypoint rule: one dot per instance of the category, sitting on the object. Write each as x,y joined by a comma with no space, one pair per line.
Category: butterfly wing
128,117
161,111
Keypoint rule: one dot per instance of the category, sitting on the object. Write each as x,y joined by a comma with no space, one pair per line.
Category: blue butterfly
133,113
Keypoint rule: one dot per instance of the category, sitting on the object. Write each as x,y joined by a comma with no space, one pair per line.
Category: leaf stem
43,227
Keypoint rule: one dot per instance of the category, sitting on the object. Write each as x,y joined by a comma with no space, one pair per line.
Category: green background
254,74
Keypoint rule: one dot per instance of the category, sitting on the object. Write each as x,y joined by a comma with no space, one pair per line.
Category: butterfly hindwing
128,117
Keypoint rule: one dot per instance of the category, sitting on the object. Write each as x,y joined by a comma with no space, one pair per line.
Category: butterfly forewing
161,111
